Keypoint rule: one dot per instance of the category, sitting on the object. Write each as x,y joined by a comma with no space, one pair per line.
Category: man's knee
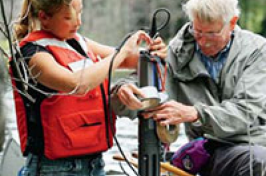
237,161
259,160
255,158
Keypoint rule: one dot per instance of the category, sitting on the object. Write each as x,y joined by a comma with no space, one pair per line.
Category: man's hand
172,113
158,48
128,93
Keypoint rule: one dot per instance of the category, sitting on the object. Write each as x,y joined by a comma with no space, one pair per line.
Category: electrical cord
109,102
154,29
123,169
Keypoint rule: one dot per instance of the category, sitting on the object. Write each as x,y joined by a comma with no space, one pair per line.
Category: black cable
123,169
154,29
167,19
109,102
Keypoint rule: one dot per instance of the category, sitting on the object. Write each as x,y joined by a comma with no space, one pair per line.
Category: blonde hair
212,10
28,20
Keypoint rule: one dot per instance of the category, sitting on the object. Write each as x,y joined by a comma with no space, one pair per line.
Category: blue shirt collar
217,58
214,65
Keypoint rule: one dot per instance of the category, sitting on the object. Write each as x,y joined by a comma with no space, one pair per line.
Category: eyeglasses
198,34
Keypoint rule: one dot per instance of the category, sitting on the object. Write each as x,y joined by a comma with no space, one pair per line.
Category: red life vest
72,125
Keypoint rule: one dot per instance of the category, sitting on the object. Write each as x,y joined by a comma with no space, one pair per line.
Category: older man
217,80
217,83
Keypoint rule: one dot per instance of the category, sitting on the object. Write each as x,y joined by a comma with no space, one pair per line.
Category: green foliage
253,15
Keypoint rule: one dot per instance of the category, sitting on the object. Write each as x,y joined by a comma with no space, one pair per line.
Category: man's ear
233,22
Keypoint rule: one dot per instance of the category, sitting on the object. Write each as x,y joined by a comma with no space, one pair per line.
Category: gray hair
212,10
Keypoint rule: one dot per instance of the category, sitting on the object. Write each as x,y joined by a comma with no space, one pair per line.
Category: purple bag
192,156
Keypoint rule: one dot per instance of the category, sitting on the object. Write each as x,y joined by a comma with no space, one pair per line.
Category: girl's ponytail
23,26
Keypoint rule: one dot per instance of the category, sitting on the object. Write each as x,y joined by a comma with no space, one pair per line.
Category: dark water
127,131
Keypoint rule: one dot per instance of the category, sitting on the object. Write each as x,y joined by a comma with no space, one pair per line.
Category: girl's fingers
143,36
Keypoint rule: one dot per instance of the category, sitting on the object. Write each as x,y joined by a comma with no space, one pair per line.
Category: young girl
66,127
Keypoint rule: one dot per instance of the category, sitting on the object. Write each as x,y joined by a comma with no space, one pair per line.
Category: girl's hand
131,47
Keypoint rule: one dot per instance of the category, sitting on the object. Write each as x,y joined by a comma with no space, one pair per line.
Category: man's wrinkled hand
171,113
